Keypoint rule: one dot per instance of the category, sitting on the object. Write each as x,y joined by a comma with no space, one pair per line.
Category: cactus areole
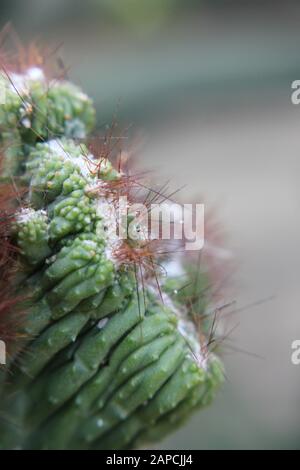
99,354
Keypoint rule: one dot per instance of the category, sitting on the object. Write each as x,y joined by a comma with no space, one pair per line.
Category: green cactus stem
102,362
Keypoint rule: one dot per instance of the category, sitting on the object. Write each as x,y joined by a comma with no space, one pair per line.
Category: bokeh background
207,84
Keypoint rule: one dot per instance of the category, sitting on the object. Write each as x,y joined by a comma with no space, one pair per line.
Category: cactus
101,361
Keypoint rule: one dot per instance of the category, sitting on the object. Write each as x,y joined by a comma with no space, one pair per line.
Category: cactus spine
98,364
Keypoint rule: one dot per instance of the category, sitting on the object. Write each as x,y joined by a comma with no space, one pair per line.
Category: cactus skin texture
97,366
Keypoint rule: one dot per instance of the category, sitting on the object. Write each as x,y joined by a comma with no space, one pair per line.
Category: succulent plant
102,358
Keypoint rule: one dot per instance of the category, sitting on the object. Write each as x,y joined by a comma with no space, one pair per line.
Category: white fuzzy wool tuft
80,161
20,82
26,215
101,324
108,227
188,330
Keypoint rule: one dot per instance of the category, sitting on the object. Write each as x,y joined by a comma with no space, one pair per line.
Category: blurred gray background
207,85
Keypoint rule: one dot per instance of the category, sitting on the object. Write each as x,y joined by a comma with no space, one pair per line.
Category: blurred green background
206,86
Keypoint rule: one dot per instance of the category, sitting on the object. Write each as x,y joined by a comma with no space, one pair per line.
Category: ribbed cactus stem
102,362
